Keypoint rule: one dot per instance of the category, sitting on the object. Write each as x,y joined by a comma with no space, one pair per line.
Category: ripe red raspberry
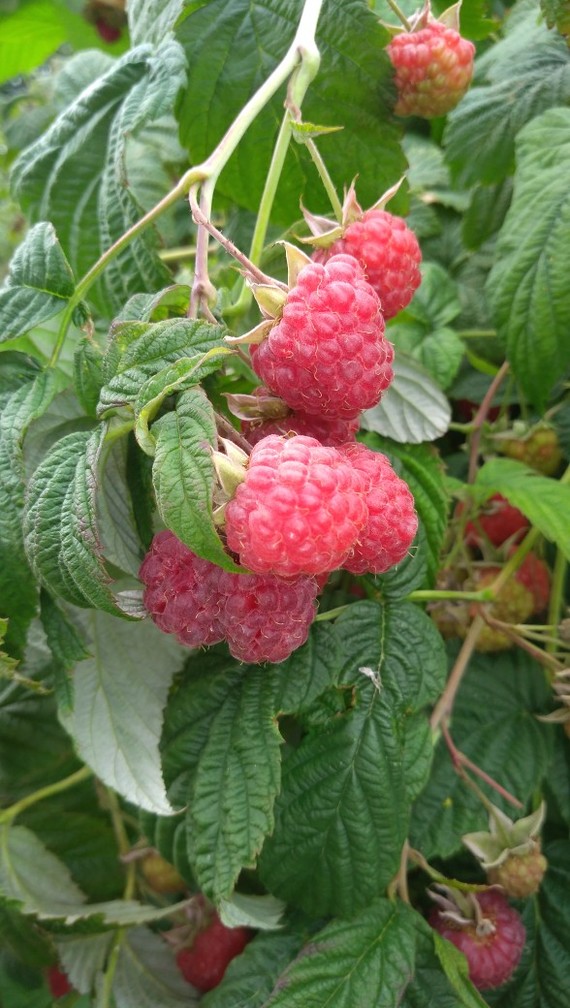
299,510
535,576
494,946
206,961
434,66
182,593
389,253
330,431
392,521
58,983
262,617
327,355
520,875
266,617
497,522
108,32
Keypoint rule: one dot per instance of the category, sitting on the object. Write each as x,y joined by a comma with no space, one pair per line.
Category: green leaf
150,20
38,285
341,817
400,645
544,501
410,574
368,960
429,987
494,725
65,645
33,877
29,35
17,588
147,975
233,45
309,671
486,213
140,350
413,409
87,374
250,978
456,970
34,749
234,787
421,330
527,286
60,526
82,957
120,693
183,475
264,913
421,468
75,175
517,79
557,14
185,373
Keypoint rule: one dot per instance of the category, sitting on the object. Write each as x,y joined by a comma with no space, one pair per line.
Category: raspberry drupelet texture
330,431
328,355
392,520
433,68
492,956
182,593
389,253
263,618
299,510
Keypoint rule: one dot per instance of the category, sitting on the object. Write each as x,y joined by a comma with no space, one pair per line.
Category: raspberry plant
284,444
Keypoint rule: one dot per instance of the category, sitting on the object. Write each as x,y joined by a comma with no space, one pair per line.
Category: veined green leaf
528,286
74,174
18,592
140,350
183,475
38,285
341,816
517,79
412,410
233,45
368,960
501,735
60,526
120,693
184,373
234,787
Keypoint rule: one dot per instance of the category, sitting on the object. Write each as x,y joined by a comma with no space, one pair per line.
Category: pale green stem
331,614
7,815
105,999
325,178
427,595
556,594
304,49
399,14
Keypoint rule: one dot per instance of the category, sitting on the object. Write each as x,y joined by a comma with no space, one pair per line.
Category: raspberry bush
284,499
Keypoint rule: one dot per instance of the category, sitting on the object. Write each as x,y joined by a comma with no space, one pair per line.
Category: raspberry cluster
304,508
308,500
262,617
